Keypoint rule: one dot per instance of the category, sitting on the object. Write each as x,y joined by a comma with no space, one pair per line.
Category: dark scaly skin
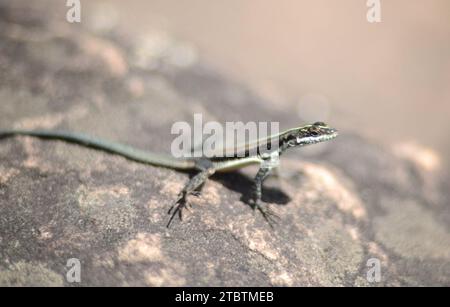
206,167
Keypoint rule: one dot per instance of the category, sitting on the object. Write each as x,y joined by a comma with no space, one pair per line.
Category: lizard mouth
334,133
322,138
330,136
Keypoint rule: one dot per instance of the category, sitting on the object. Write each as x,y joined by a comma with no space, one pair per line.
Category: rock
344,206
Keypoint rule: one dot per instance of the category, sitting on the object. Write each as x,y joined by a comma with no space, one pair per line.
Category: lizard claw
195,193
180,198
177,208
268,214
180,204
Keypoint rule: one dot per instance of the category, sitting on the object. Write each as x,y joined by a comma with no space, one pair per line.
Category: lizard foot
268,214
177,208
179,205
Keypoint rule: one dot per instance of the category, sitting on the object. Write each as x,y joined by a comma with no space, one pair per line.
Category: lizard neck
282,147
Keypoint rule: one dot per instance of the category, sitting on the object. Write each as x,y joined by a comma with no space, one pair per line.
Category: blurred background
321,58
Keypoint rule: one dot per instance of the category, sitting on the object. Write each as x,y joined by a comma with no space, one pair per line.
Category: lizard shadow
242,184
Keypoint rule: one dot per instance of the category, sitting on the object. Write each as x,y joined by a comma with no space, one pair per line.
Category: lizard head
309,134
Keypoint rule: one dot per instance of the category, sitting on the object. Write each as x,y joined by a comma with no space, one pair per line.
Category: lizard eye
320,124
314,132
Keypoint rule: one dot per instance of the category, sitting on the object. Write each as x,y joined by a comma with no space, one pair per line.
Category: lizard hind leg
191,188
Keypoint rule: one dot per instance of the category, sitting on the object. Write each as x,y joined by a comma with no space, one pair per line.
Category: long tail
107,146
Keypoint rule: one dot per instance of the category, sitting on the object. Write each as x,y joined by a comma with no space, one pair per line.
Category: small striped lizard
246,154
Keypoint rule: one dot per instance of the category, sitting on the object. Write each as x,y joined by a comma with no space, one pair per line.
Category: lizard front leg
264,171
206,170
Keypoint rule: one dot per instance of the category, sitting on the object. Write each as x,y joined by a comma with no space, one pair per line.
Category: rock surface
341,204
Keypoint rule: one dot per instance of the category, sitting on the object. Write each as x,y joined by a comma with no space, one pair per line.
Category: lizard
246,154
